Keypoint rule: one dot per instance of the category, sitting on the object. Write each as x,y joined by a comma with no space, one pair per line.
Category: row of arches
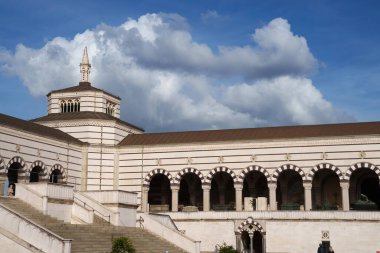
70,105
292,189
16,169
270,178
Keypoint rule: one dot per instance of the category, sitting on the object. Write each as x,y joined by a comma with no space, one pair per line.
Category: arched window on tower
70,105
110,108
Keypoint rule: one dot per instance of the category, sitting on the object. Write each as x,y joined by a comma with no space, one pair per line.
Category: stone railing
60,191
82,212
165,220
32,197
99,209
180,240
37,194
31,233
54,191
113,197
279,215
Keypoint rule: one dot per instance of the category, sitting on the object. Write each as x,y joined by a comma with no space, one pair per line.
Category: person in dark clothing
331,250
321,249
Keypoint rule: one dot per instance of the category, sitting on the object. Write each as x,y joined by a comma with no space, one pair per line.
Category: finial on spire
85,67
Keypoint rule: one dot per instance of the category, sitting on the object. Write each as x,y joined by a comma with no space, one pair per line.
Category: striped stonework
2,164
61,170
253,168
210,175
359,166
18,160
183,172
284,167
250,226
154,172
40,164
327,166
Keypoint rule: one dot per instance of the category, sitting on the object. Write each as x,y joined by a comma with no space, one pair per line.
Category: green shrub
224,248
122,245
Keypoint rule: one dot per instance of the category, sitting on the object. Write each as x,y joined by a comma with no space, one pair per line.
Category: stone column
345,195
251,242
144,198
264,242
238,241
206,197
272,196
239,196
175,189
2,182
307,194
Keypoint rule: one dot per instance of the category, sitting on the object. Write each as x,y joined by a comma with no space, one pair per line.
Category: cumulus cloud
170,82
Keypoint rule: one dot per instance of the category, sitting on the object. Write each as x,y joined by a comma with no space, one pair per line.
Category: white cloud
209,15
168,81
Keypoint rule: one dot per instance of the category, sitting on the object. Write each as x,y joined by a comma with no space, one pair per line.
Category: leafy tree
122,245
224,248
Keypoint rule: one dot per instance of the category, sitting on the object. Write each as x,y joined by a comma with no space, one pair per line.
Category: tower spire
85,67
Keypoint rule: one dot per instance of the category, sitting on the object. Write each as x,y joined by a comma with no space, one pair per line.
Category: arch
61,170
184,171
361,165
322,166
154,172
219,169
245,226
41,164
253,168
16,159
284,167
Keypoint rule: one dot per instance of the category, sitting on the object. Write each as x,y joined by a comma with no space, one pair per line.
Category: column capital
145,187
238,186
174,187
206,186
272,186
307,185
345,185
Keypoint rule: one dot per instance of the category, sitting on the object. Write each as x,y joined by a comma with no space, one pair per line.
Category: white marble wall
136,162
32,148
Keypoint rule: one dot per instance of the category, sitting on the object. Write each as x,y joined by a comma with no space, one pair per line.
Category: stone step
93,238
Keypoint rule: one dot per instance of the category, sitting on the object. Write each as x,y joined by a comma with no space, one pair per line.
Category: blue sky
341,59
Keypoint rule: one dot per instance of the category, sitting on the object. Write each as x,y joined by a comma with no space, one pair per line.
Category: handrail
66,242
92,209
168,217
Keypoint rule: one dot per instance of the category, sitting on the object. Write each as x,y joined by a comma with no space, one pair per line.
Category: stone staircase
94,238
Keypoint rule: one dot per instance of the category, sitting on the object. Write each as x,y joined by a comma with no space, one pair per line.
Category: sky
193,65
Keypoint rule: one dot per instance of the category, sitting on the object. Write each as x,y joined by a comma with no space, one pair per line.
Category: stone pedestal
248,204
261,204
